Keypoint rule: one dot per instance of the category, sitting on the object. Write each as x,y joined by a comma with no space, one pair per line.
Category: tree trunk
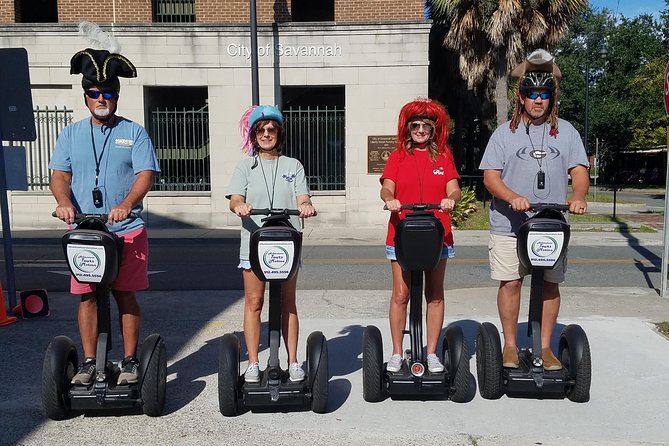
502,100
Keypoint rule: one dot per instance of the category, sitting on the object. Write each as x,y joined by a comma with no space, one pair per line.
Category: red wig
424,108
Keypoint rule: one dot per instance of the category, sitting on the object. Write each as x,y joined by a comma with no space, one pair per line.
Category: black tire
581,371
459,375
154,378
317,344
228,375
60,365
489,362
372,365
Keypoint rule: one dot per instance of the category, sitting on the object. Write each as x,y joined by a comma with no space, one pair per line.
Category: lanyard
95,152
276,169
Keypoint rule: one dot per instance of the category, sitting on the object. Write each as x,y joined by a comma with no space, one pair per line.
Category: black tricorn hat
101,68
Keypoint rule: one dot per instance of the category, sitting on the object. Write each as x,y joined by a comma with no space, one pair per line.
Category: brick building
340,70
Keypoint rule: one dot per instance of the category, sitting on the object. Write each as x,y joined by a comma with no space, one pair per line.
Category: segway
419,240
275,258
93,255
542,243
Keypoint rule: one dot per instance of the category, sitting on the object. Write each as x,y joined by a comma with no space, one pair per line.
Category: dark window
313,10
174,11
178,122
315,134
36,11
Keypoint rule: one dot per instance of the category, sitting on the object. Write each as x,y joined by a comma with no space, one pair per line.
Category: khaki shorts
505,265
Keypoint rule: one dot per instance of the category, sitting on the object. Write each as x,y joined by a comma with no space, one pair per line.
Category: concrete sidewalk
629,398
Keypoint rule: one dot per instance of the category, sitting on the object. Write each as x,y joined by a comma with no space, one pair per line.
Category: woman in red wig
420,170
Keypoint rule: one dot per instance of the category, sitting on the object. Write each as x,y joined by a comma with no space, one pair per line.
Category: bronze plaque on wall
378,151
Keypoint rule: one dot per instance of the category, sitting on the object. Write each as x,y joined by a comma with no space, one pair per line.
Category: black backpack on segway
419,240
542,244
275,258
93,255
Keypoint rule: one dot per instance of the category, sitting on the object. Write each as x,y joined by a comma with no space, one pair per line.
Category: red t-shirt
418,179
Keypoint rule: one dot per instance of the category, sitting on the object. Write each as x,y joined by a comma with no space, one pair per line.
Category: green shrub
465,207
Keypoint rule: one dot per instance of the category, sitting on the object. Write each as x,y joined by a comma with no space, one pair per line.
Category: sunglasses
544,95
261,131
94,94
420,125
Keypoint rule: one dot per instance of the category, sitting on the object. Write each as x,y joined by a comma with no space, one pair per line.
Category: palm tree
491,37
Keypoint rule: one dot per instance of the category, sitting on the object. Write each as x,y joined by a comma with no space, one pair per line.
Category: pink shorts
133,274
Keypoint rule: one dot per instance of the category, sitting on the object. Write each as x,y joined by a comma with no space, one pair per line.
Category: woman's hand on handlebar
577,206
394,205
243,210
307,210
447,204
66,213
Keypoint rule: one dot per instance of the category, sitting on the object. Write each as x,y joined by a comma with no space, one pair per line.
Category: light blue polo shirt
123,150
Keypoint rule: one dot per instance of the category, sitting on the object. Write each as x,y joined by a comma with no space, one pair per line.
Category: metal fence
315,136
174,11
48,124
181,139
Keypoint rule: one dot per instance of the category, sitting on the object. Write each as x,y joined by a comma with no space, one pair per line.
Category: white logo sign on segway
276,258
87,262
544,248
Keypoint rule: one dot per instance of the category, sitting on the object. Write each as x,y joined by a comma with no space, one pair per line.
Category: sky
631,8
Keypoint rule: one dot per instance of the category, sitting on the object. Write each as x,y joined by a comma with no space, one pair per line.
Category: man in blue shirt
105,164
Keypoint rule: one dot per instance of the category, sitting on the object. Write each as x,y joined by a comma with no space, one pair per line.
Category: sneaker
550,361
433,364
129,368
395,363
296,373
85,373
252,374
510,358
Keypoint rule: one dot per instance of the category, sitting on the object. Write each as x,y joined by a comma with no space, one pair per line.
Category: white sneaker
394,364
252,374
433,364
296,373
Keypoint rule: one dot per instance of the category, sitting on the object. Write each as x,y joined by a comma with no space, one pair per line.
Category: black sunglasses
94,94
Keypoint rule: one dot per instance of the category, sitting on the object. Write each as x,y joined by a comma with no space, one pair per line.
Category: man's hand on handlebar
307,210
519,204
66,213
118,214
577,206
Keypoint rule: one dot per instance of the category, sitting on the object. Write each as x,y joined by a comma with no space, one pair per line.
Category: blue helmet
265,112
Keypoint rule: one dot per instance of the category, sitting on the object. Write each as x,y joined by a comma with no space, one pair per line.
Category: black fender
574,338
454,339
148,350
315,346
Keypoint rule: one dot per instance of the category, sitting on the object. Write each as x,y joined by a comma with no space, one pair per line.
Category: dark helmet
537,80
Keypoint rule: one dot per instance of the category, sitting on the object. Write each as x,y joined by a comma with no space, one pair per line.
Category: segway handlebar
536,207
416,207
267,211
78,216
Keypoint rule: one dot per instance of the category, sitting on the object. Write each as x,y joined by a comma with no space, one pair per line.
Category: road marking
570,261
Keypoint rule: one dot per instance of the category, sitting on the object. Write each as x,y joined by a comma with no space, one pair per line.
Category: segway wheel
317,370
59,367
489,361
154,375
455,357
574,353
372,365
228,375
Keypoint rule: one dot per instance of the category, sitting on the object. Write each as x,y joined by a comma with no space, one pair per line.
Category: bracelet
306,202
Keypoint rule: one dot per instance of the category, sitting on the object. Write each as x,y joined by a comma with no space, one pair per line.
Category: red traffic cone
4,319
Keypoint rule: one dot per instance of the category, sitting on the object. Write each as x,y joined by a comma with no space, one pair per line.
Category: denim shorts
448,252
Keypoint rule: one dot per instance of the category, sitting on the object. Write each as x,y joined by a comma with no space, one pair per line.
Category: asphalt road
211,264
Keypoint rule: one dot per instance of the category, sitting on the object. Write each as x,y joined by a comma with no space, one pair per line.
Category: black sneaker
129,368
85,373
